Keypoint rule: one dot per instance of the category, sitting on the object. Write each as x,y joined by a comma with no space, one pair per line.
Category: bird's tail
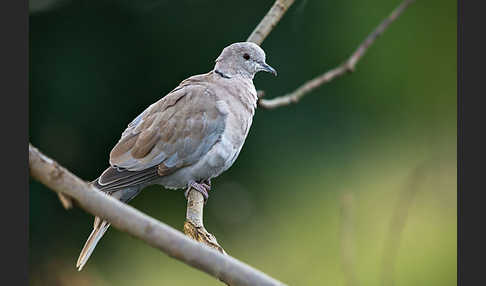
101,226
99,229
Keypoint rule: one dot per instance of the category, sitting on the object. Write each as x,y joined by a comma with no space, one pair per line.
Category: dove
186,138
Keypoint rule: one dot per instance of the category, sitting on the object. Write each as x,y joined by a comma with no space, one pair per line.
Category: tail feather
101,226
99,229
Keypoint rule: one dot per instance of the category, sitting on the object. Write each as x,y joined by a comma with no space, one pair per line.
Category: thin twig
66,201
269,22
348,66
347,239
398,222
144,227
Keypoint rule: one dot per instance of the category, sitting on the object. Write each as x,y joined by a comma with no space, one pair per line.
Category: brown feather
177,130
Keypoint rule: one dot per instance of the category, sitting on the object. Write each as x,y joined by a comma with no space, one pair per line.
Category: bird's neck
226,70
220,73
239,87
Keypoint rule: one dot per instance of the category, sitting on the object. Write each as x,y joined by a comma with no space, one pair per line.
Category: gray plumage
189,136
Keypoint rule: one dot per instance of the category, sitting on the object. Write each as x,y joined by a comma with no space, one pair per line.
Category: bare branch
348,66
142,226
193,226
269,22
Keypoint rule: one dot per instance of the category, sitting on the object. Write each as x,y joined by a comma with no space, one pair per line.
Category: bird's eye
246,56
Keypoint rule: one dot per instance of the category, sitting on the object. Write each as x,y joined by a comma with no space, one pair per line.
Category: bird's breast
227,149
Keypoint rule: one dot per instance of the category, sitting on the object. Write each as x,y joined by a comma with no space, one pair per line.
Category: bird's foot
204,187
207,184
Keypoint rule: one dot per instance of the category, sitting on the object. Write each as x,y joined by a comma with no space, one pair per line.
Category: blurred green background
354,185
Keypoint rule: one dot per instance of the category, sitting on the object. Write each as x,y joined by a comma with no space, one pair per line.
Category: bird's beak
267,68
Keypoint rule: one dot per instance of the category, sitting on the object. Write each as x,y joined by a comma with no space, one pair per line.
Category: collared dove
189,136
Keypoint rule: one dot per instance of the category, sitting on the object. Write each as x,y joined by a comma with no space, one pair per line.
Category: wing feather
174,132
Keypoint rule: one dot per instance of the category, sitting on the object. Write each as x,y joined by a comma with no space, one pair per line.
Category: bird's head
245,59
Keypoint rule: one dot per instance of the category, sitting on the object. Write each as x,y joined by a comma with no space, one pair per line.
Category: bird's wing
172,133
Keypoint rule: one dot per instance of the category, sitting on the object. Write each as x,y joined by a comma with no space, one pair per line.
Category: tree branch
193,226
138,224
269,22
348,66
